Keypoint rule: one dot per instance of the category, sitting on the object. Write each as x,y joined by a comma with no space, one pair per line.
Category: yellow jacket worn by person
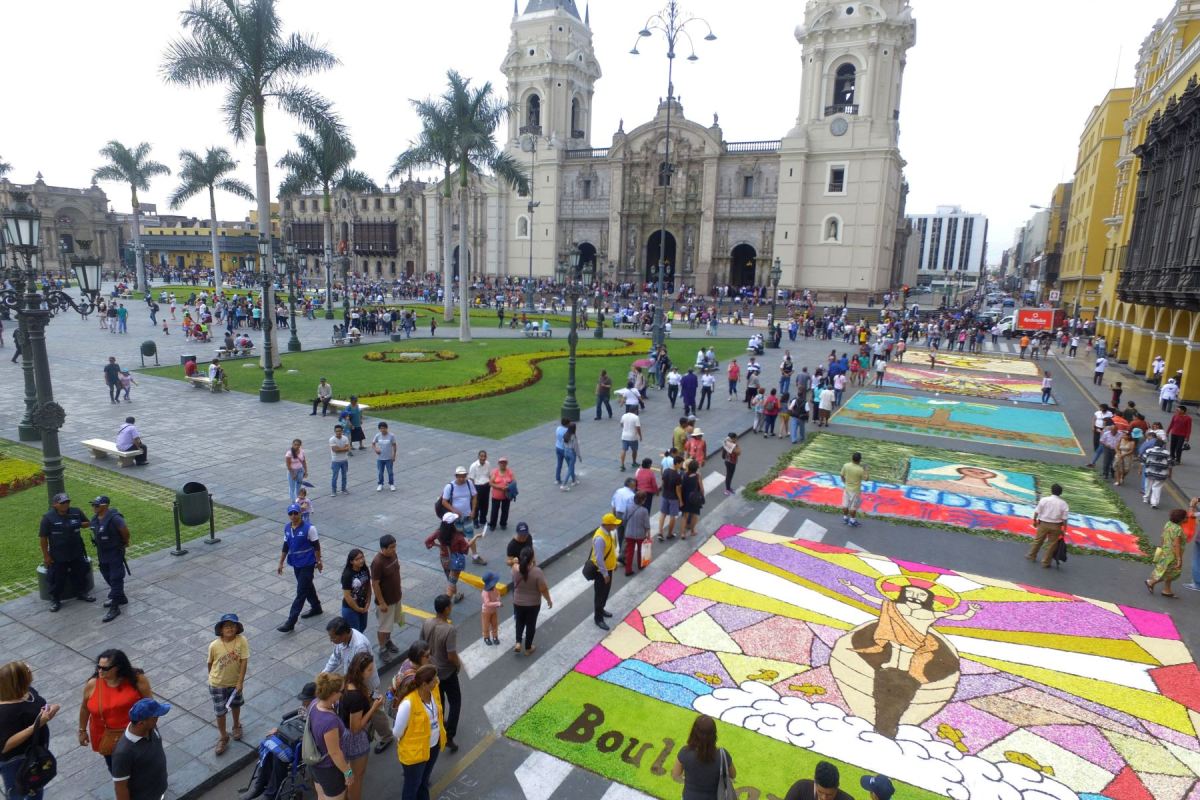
610,548
413,743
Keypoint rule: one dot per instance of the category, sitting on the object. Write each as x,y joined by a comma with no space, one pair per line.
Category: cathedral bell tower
841,173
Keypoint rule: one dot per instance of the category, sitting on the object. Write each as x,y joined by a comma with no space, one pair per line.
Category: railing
851,108
532,130
763,146
1171,287
588,152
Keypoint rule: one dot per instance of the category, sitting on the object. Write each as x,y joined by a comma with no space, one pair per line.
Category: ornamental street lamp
328,283
290,262
776,273
576,279
269,391
599,332
345,294
671,23
43,416
88,270
529,140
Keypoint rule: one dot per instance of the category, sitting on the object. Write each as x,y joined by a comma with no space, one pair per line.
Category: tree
5,168
474,114
238,44
434,148
322,161
135,168
208,172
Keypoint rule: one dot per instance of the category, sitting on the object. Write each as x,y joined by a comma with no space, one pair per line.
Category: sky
992,108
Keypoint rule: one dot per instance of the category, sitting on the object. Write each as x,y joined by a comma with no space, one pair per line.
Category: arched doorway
742,262
668,257
454,262
587,255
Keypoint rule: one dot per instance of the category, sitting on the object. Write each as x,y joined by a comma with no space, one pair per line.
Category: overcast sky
995,94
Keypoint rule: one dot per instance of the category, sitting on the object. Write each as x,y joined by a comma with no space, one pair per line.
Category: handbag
725,790
308,744
38,765
108,742
646,552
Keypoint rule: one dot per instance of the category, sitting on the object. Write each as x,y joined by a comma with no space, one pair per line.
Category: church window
363,204
576,126
844,86
664,174
408,203
533,114
587,189
408,235
378,204
837,179
748,186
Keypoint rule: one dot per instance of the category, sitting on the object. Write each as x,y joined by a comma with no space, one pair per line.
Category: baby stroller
281,773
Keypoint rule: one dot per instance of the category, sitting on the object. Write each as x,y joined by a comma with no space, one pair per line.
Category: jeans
602,401
797,430
561,456
1177,443
355,619
706,396
305,591
1107,465
525,621
769,423
342,467
416,777
113,573
451,703
785,384
571,459
381,466
114,392
837,396
730,467
733,392
8,771
295,483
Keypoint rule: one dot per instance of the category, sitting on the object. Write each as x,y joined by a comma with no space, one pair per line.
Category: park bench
237,352
338,341
535,333
103,449
204,382
340,404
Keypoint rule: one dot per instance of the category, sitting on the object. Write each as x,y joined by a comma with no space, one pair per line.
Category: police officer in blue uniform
62,550
302,551
110,534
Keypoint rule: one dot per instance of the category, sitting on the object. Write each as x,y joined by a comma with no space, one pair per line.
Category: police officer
110,534
302,551
62,550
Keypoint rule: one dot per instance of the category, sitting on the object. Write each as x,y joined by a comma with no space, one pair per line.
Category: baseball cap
610,519
449,518
460,470
146,708
102,500
294,508
522,528
879,785
61,497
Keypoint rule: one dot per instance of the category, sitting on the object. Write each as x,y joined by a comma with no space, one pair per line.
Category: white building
951,246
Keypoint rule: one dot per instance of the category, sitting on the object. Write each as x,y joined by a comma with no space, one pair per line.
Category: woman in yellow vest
600,565
419,730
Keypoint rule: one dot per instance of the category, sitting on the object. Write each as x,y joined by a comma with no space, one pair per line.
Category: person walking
442,637
631,435
673,381
385,446
825,406
479,473
701,766
603,393
139,763
560,454
228,658
459,497
110,535
1109,440
24,717
63,553
688,385
1168,394
731,451
1156,460
529,588
112,379
332,773
502,487
453,547
708,382
672,497
599,568
339,459
1098,370
733,373
574,454
108,697
692,489
388,591
302,552
324,395
1168,557
1179,430
295,461
770,412
421,730
1049,519
637,530
853,474
1047,387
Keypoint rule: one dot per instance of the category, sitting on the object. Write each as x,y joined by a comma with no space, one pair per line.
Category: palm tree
135,168
198,173
322,161
474,114
239,44
434,148
5,168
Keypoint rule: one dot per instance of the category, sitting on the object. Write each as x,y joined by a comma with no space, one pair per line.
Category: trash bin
149,348
43,578
186,357
194,503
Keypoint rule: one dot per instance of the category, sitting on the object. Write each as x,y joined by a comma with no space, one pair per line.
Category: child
127,381
305,504
228,656
166,328
489,617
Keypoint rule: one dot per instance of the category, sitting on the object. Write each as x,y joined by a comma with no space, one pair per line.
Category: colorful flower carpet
953,685
943,381
962,491
1036,429
1002,366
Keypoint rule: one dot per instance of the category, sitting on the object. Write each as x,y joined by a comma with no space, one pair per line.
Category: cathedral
825,201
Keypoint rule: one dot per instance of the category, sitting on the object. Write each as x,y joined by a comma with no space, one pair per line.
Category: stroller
281,773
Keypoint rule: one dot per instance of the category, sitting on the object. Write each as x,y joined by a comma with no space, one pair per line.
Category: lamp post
88,271
346,292
44,417
671,23
328,284
776,273
574,279
599,332
529,139
293,280
269,391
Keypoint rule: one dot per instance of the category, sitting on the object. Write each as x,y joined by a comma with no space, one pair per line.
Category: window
832,230
576,119
523,227
363,204
587,189
378,204
408,235
844,85
748,186
664,174
408,203
391,205
837,179
533,112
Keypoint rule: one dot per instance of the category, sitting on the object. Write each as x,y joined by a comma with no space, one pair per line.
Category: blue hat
489,581
294,508
228,618
147,708
879,785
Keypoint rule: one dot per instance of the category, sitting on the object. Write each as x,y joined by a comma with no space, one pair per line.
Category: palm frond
293,184
508,169
235,187
308,106
356,181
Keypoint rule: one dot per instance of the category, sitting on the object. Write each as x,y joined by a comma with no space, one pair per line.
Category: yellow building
1147,308
185,247
1091,204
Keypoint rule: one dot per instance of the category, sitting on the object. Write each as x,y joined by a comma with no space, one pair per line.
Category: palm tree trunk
216,249
139,263
464,271
262,187
327,233
447,252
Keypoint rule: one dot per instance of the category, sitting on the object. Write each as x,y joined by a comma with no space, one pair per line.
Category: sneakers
379,488
392,487
845,519
478,559
1191,586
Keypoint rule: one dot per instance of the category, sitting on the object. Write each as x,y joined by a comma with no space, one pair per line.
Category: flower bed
410,356
504,374
17,474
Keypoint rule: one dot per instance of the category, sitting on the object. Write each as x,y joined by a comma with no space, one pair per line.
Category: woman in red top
453,542
501,478
646,481
107,698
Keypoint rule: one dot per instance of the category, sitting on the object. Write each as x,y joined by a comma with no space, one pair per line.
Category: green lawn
145,506
494,417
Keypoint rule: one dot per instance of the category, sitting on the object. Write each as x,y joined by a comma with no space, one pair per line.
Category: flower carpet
944,381
1002,366
960,491
1034,428
952,684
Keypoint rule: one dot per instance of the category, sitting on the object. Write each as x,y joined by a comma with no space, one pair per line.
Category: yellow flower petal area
505,374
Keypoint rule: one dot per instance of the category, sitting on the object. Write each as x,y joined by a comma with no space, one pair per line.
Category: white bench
103,449
340,404
536,333
204,382
237,352
338,341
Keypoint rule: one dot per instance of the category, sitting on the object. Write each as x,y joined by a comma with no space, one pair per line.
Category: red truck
1034,320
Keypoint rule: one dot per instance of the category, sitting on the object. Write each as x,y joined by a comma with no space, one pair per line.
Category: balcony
530,130
588,152
851,109
764,146
1168,287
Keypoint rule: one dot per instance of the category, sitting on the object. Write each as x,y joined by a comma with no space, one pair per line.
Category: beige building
68,217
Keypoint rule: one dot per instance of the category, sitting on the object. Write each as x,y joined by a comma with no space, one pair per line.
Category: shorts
220,696
331,780
851,500
393,616
629,445
669,507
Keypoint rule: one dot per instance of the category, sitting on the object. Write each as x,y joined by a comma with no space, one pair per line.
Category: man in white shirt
128,438
324,395
347,643
479,475
384,445
630,397
1049,518
825,406
673,378
622,504
216,374
339,459
1098,373
631,435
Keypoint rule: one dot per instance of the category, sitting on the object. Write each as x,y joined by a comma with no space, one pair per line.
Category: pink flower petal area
598,661
1151,623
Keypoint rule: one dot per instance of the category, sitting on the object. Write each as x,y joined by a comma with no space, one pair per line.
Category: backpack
1060,551
38,766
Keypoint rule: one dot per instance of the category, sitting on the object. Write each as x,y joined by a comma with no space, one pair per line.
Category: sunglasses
104,667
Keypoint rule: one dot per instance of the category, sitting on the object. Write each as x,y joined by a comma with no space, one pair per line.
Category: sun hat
147,708
489,581
610,519
697,432
502,460
449,518
460,470
228,618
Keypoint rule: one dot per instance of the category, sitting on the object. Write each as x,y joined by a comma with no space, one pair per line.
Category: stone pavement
234,445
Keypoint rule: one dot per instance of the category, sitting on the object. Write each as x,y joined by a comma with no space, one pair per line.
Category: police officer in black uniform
62,550
110,534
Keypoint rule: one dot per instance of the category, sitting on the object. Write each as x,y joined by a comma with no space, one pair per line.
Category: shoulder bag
108,741
38,766
725,790
308,746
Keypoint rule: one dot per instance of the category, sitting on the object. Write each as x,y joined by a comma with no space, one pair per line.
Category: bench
340,404
204,382
537,333
103,449
338,341
237,352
